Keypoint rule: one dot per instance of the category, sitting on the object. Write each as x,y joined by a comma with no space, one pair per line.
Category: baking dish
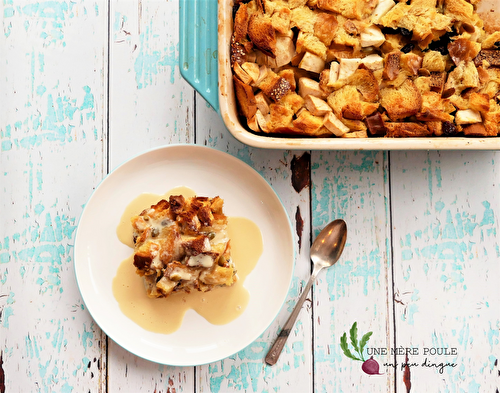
205,32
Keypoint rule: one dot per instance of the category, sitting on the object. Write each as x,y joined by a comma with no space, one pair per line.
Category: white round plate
209,172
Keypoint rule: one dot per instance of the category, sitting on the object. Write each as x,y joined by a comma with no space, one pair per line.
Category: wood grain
352,186
52,133
446,264
150,104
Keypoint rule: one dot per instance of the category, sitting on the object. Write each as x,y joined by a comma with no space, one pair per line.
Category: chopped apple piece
348,67
252,124
373,62
333,124
334,73
285,51
383,7
262,75
308,86
262,121
242,74
312,63
262,103
316,106
372,36
468,116
252,69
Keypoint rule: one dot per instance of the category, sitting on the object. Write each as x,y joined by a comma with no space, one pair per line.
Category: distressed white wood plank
352,186
129,373
446,249
150,106
246,370
52,118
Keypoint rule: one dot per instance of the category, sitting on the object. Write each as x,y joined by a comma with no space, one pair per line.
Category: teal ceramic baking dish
206,27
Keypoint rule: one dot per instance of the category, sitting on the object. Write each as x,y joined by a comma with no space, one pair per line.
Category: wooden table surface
86,85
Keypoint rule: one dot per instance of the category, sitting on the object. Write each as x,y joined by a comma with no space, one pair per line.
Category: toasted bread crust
401,102
417,62
262,34
477,129
492,57
392,65
246,98
397,130
366,83
241,23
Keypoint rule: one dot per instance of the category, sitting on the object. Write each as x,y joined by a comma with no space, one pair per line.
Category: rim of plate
82,268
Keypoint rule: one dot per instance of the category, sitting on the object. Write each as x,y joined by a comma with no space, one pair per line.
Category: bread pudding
365,68
182,245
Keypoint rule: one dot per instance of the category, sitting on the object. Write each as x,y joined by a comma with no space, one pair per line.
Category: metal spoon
325,251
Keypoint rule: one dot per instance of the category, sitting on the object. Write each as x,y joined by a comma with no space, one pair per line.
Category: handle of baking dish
198,47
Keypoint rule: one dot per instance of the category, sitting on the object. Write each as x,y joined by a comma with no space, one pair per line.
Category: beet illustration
370,367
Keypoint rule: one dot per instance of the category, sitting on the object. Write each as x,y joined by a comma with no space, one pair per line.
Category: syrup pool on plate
165,315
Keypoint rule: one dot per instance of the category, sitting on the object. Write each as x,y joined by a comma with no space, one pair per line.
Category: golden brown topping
366,83
436,127
356,9
459,10
325,27
262,34
479,102
411,62
358,110
308,123
484,76
491,41
401,102
395,130
475,130
434,115
246,98
281,117
241,23
490,56
281,20
392,65
437,82
421,60
463,50
434,61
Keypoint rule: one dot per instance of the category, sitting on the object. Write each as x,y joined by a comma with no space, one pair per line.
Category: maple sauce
165,315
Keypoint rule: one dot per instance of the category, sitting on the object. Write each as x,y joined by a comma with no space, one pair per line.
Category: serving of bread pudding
182,245
365,68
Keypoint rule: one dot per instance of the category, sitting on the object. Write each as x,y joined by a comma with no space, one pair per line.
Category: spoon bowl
329,244
325,251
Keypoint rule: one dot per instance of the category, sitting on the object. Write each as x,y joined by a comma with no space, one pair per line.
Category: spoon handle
275,351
